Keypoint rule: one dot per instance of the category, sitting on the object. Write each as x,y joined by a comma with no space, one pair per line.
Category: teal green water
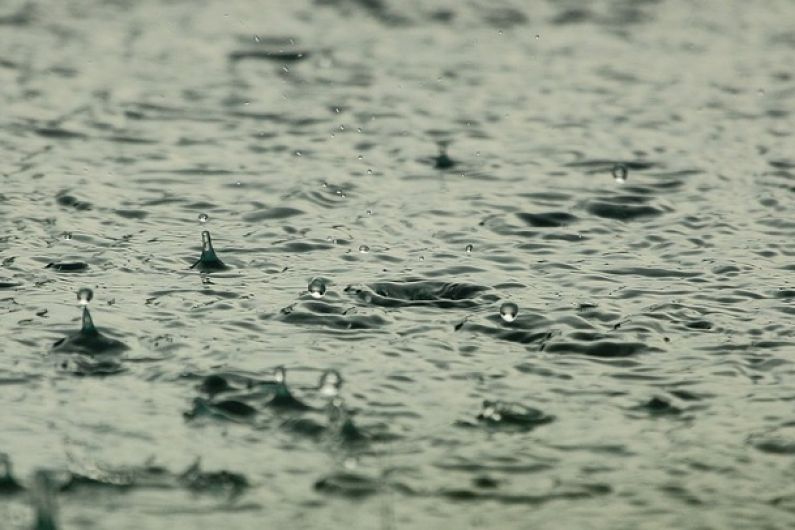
485,264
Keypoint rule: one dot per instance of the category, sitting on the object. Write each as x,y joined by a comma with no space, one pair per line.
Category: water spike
280,375
87,326
207,243
208,261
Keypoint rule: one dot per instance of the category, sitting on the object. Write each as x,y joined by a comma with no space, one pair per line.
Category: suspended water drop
67,235
364,249
298,153
360,157
620,173
330,383
369,212
84,295
317,288
203,218
470,248
256,38
509,311
280,375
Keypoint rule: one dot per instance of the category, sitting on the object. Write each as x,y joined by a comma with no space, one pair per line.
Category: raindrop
67,235
364,249
280,375
470,248
330,383
85,295
317,288
298,153
203,218
509,311
256,38
620,173
369,212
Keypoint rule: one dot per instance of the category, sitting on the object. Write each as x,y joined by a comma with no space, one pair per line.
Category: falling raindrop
364,249
280,375
203,218
470,248
67,235
84,295
509,311
620,173
317,288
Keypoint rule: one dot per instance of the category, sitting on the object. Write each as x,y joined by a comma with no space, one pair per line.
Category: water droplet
317,288
298,153
256,38
280,375
538,37
360,157
85,295
509,311
369,212
620,173
364,249
470,248
203,218
330,383
422,258
67,235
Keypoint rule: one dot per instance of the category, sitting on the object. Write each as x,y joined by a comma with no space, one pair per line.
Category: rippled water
380,178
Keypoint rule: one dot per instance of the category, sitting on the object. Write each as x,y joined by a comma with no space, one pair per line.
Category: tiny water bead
469,249
317,288
364,249
84,295
203,218
620,172
330,383
280,375
509,311
67,235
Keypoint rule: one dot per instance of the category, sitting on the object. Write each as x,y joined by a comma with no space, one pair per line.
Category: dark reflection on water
382,180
